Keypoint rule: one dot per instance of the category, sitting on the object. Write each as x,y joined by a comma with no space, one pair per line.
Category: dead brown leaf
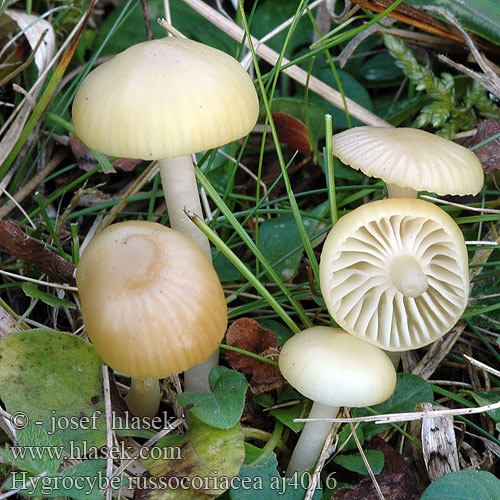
87,161
14,241
247,334
397,480
489,154
293,132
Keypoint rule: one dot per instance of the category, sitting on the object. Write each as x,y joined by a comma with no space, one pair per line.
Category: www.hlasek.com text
81,450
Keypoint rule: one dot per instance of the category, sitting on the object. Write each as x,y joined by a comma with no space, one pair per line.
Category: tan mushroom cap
163,99
410,158
395,273
334,368
151,301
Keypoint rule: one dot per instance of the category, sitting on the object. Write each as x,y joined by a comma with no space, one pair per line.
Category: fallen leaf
247,334
397,479
292,132
87,161
210,457
489,154
14,241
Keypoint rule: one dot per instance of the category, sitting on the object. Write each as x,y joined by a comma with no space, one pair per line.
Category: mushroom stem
181,191
312,439
143,399
395,191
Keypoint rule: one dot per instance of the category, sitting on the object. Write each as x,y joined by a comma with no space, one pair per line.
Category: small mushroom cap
394,272
334,368
410,158
152,303
163,99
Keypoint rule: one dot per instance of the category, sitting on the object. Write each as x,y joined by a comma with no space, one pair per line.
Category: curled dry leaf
14,241
87,161
293,132
489,154
247,334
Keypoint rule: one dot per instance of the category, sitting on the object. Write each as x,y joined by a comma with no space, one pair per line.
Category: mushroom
394,272
164,100
152,305
333,369
410,160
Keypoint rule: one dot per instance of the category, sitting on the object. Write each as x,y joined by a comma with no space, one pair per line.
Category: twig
459,205
483,366
39,282
406,417
367,464
109,431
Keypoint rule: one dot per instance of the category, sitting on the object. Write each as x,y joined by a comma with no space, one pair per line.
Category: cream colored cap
395,273
163,99
152,303
334,368
410,158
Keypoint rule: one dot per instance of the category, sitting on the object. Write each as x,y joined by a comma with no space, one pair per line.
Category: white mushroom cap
395,273
151,300
334,368
410,158
163,99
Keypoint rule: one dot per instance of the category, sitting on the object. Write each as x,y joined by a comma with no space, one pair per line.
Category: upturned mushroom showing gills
410,160
334,369
152,305
164,100
395,273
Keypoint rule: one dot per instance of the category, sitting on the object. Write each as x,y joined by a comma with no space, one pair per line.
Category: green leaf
280,236
380,70
35,451
269,15
222,408
410,390
211,455
55,379
287,415
484,398
480,16
352,89
31,290
464,485
261,480
355,463
346,434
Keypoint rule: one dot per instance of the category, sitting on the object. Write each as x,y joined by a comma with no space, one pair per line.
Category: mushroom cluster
393,274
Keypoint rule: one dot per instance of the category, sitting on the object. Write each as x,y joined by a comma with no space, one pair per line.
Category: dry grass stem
298,74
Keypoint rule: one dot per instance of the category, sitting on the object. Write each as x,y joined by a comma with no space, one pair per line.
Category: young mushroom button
164,100
410,160
152,304
395,273
334,369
